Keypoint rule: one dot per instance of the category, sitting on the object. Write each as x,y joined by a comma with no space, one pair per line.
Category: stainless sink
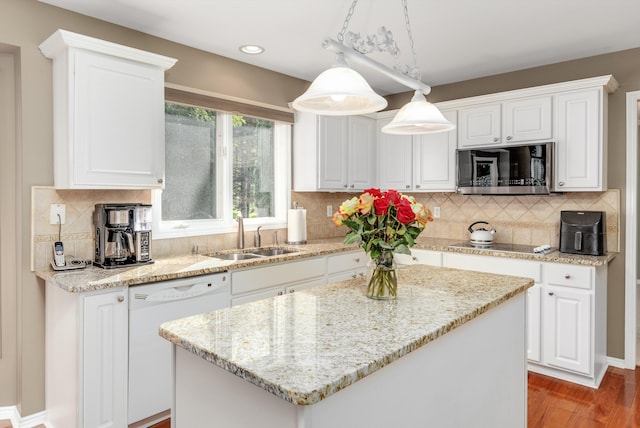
235,256
268,252
251,254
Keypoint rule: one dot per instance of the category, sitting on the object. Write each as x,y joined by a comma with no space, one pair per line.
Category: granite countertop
94,278
305,346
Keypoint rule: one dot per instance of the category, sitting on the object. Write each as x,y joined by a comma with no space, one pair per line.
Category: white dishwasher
150,355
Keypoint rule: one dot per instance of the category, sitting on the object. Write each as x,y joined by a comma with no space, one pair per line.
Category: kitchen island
449,352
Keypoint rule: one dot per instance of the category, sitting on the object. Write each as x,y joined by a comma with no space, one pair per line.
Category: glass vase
382,277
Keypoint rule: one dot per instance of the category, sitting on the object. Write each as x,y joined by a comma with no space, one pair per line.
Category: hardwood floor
616,404
557,404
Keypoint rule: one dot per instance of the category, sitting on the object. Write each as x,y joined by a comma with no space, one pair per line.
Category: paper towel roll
297,226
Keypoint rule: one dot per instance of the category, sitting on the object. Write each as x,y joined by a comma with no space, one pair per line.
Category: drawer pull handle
550,293
567,276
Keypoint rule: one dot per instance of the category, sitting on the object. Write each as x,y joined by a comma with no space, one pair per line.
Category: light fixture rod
336,47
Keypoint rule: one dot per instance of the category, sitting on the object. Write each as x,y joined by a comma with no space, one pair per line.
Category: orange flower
365,203
338,217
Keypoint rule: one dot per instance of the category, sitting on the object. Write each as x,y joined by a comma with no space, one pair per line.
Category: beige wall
24,24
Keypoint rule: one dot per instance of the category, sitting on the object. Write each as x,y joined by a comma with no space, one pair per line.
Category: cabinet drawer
261,278
569,276
496,265
347,261
422,257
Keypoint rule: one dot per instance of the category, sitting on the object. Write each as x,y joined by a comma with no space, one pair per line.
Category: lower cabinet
421,257
248,285
86,366
567,314
344,266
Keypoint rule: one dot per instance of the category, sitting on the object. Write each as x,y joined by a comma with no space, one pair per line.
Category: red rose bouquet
382,223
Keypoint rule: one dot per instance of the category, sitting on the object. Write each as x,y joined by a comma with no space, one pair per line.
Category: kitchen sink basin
235,256
252,254
267,252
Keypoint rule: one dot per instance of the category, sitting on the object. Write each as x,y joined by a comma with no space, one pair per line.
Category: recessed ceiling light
251,49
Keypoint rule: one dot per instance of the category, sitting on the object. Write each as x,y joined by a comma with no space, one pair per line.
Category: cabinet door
361,153
435,159
479,126
533,323
105,360
395,164
567,329
527,119
117,124
580,145
332,144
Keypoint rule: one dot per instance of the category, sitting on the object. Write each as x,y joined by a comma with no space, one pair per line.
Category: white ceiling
455,40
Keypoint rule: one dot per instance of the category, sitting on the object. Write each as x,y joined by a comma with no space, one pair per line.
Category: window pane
190,158
253,175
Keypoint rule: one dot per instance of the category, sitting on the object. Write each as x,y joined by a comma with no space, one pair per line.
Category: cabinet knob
279,293
160,180
496,139
352,186
407,186
567,276
361,274
345,186
417,186
509,137
120,299
414,258
550,293
291,291
354,276
561,183
357,260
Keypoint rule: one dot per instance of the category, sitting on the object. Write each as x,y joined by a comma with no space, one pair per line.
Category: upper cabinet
334,153
509,122
420,162
108,111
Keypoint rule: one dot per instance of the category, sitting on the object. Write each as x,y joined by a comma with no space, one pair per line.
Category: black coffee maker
583,232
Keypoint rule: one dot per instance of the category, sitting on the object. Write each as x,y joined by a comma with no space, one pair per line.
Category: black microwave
505,170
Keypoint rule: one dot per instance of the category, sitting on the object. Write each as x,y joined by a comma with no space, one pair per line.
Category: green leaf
403,249
409,239
352,237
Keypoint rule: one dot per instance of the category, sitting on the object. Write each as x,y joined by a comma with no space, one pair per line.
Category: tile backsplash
531,220
526,220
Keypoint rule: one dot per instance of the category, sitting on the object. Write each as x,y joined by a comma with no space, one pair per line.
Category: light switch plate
329,210
54,211
436,212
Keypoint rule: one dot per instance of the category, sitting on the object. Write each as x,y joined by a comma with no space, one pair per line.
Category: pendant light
339,91
418,117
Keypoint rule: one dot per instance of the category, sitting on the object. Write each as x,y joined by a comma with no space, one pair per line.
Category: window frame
224,192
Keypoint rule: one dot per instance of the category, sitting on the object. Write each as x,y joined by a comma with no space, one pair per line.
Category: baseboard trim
18,421
616,362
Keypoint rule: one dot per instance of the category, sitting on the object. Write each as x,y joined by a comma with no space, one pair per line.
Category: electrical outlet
436,212
54,211
329,210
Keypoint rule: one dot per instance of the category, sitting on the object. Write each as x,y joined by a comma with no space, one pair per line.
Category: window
218,165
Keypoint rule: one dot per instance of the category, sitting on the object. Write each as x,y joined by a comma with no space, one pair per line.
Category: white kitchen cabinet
261,282
581,154
344,266
86,366
534,325
567,314
509,122
347,152
567,329
419,257
424,162
108,113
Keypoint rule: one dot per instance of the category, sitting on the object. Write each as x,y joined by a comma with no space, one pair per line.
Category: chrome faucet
240,231
256,238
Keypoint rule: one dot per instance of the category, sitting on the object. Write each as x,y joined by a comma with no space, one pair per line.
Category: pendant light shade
339,91
418,117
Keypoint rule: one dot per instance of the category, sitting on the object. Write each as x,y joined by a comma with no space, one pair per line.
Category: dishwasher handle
181,292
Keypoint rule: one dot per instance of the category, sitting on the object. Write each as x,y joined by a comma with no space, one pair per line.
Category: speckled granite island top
305,346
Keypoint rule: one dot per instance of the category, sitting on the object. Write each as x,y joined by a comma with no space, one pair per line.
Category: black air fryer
583,232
